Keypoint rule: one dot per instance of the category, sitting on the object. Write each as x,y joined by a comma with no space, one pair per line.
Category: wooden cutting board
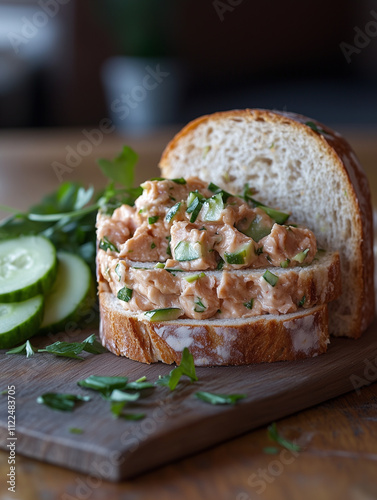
177,424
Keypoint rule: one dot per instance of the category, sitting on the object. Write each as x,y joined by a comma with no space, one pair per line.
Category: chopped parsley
219,399
249,304
73,349
153,219
153,245
200,307
274,435
186,368
105,244
125,294
25,348
61,402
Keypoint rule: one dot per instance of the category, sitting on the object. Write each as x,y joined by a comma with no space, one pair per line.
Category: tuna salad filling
188,225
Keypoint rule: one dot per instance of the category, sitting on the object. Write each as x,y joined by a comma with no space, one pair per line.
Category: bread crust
264,339
358,193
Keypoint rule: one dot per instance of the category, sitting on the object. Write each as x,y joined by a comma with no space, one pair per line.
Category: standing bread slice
295,164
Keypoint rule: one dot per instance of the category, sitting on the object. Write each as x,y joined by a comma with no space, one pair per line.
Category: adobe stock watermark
361,39
121,107
131,440
260,480
370,375
222,7
31,26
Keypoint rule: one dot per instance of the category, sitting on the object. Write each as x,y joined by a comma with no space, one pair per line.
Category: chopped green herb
61,402
218,311
125,294
160,265
153,245
258,251
217,190
315,127
181,180
200,307
249,304
153,219
105,244
172,212
203,229
157,179
168,249
186,251
268,258
72,349
285,263
186,368
104,385
75,430
173,270
270,450
219,399
125,397
121,169
194,277
220,264
25,348
118,270
271,279
302,301
275,436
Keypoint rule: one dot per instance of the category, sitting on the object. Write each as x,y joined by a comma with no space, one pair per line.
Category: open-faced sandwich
260,220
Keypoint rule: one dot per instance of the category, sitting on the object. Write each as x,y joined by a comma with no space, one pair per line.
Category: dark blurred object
143,85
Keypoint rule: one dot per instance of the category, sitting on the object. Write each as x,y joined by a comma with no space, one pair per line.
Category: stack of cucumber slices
40,289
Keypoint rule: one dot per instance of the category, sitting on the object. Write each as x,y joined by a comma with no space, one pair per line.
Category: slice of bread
318,283
259,339
299,165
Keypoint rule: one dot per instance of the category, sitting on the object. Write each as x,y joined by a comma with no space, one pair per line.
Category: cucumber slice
19,321
67,299
27,267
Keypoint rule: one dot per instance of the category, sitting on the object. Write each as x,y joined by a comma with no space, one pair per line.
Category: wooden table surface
339,438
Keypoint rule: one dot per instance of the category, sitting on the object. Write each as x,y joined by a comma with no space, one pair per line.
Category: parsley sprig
68,216
73,349
274,435
186,368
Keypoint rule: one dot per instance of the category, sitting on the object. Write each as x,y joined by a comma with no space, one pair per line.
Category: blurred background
79,78
69,62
